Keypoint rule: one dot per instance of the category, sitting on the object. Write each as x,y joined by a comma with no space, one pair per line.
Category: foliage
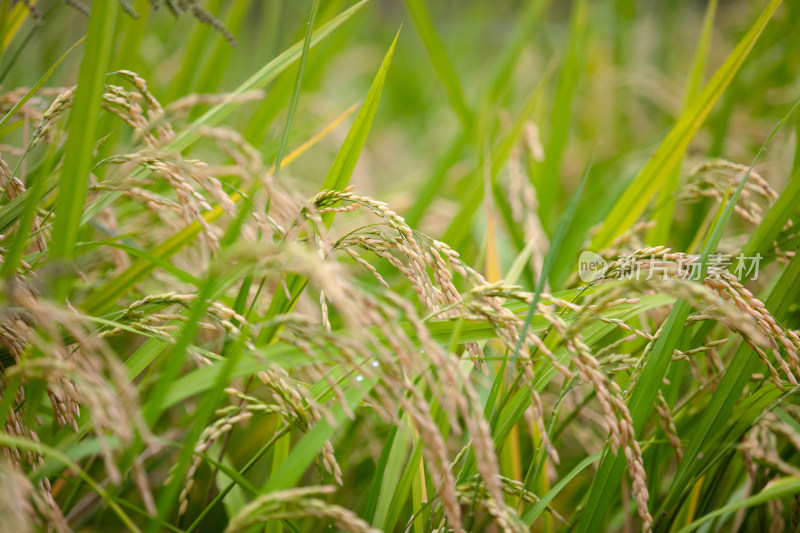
292,266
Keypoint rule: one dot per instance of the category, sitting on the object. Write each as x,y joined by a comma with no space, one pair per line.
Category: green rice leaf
659,167
779,488
81,136
345,162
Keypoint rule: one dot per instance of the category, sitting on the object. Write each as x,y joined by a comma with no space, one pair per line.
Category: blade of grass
784,208
82,132
775,490
441,63
390,481
419,492
546,177
514,408
666,194
346,158
637,196
389,473
642,397
12,21
12,441
700,476
39,83
257,128
10,212
743,364
205,411
135,252
308,446
297,85
531,516
337,179
4,13
283,445
796,160
280,452
555,247
9,64
404,486
549,260
20,241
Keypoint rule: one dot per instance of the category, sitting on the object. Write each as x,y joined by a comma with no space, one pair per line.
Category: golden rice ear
28,508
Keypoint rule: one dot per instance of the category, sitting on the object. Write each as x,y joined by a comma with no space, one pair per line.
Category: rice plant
382,266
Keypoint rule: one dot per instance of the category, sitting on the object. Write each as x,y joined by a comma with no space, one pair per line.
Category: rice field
416,266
